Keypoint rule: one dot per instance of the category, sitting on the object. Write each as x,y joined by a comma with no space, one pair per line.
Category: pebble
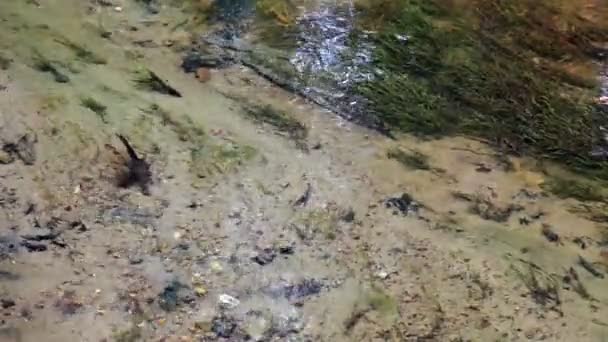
382,274
228,302
203,74
118,9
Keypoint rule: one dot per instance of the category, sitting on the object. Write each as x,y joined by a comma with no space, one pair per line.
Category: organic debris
148,80
589,267
96,107
53,238
543,287
138,170
571,278
303,199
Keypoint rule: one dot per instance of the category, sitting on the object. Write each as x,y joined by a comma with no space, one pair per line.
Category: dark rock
265,256
135,260
550,234
7,303
348,216
194,60
173,295
287,250
33,246
405,204
295,292
223,326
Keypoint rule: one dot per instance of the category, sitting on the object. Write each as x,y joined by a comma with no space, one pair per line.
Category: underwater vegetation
507,71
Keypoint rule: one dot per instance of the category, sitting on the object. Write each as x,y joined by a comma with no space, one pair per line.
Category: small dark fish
138,169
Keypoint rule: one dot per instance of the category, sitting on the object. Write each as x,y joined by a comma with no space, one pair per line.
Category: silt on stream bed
245,234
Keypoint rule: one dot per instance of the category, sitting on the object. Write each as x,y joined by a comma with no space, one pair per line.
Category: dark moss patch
412,160
96,107
493,69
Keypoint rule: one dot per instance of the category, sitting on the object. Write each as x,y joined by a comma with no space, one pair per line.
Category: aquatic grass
43,64
81,52
413,160
494,69
209,160
580,189
96,107
283,122
147,80
184,127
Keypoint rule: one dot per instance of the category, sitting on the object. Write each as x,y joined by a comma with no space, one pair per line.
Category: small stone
228,302
382,274
203,74
118,9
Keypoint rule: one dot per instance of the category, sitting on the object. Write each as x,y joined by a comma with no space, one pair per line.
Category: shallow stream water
296,226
